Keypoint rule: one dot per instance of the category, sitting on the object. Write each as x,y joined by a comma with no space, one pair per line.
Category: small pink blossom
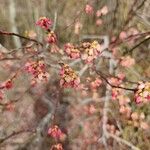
98,13
114,81
121,76
122,110
99,22
71,51
127,61
51,37
114,94
95,84
123,35
88,9
104,10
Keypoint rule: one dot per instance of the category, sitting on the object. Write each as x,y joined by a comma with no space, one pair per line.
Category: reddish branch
113,86
18,35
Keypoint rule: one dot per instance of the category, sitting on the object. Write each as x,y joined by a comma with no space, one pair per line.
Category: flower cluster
123,100
142,95
138,120
90,51
57,147
51,37
55,132
134,118
86,51
71,51
44,23
37,69
68,77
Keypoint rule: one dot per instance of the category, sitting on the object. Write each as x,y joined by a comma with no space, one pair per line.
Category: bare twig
15,133
120,140
55,21
18,35
114,86
136,46
135,36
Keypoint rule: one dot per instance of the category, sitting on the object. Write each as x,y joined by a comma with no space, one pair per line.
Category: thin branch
18,35
142,3
55,21
136,46
115,13
20,48
113,86
118,139
15,133
131,14
138,35
74,20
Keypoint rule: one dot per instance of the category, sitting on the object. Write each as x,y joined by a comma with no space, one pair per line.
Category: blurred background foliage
21,15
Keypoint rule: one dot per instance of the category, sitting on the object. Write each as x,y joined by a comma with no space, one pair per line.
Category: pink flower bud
134,116
89,9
